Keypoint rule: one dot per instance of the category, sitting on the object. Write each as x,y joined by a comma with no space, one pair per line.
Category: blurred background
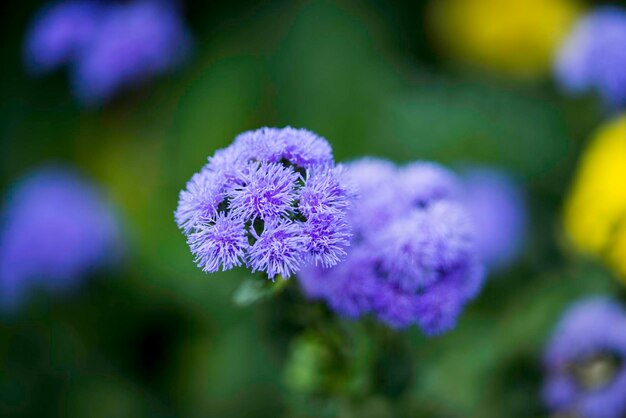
157,337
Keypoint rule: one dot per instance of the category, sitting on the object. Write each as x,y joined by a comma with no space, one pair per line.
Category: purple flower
327,237
279,192
109,46
413,259
57,227
299,147
585,361
304,148
221,242
379,199
134,42
60,32
422,247
593,57
498,211
324,192
425,182
350,288
265,190
278,249
200,201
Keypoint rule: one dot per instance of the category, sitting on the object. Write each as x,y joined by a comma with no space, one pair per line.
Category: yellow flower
595,212
617,254
515,37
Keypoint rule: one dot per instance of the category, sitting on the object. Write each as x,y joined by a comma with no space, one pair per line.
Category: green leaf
251,291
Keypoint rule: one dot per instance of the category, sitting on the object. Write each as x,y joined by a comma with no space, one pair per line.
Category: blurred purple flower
425,182
60,33
413,258
109,46
57,228
498,210
585,361
425,245
594,57
350,288
281,189
379,201
134,42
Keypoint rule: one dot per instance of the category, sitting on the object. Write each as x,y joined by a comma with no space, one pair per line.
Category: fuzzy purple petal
221,243
279,250
264,190
199,202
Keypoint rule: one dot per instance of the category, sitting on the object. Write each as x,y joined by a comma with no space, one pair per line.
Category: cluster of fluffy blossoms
585,361
413,256
273,200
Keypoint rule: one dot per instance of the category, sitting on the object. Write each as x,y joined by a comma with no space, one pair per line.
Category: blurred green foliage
159,338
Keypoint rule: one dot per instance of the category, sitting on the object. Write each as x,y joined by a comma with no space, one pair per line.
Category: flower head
299,147
413,259
304,149
278,249
350,288
425,182
200,201
265,190
282,189
57,228
593,57
327,237
219,242
379,199
422,247
324,192
586,363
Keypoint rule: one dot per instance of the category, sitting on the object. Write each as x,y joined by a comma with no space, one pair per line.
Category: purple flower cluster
594,57
273,200
413,258
585,361
56,228
109,47
498,210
